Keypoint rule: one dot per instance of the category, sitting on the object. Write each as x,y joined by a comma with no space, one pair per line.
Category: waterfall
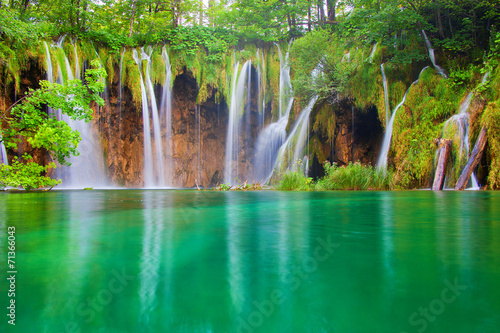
386,145
296,143
432,56
50,73
148,152
88,168
197,117
386,95
460,122
3,152
374,49
77,63
273,136
236,110
166,113
160,167
120,83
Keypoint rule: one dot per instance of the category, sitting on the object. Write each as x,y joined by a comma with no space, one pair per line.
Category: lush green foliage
29,175
295,181
27,121
355,176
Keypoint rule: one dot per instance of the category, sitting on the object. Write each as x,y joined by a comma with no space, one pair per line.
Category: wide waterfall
273,136
239,100
88,168
386,145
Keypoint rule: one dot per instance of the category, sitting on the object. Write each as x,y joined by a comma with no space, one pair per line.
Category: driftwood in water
474,160
442,163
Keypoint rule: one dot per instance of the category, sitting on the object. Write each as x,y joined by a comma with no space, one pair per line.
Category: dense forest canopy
459,30
459,25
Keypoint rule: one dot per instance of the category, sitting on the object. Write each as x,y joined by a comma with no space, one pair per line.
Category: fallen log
474,159
442,163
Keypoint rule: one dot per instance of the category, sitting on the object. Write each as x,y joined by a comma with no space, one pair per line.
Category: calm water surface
188,261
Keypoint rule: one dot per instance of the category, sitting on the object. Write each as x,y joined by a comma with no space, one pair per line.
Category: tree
28,123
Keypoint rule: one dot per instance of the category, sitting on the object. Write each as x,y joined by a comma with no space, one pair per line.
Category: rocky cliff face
357,136
199,134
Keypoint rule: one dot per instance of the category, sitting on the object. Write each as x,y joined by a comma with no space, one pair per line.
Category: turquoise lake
270,261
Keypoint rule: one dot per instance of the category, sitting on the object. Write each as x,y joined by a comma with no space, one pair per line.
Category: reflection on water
189,261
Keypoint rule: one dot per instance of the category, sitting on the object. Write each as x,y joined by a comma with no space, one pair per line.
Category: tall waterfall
432,56
386,145
77,62
386,95
458,124
154,171
236,110
273,136
166,114
88,168
3,152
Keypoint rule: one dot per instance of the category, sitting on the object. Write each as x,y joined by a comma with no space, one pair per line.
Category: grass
295,181
353,176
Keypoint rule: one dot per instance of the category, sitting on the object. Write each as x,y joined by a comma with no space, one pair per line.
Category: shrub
295,181
355,177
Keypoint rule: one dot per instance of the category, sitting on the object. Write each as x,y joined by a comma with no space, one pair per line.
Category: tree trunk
474,160
321,10
440,22
132,19
444,155
331,9
309,17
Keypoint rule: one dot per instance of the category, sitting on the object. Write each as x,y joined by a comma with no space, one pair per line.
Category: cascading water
3,152
386,95
154,173
386,145
87,169
432,56
159,167
374,49
120,83
236,110
77,62
459,125
273,136
166,114
50,73
296,144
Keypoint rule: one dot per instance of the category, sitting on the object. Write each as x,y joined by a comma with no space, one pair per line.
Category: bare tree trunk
331,9
474,160
440,23
309,17
321,11
134,8
444,154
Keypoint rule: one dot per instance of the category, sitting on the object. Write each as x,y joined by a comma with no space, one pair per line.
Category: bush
295,181
355,177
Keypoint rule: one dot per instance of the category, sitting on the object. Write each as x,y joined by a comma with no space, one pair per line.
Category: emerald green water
188,261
